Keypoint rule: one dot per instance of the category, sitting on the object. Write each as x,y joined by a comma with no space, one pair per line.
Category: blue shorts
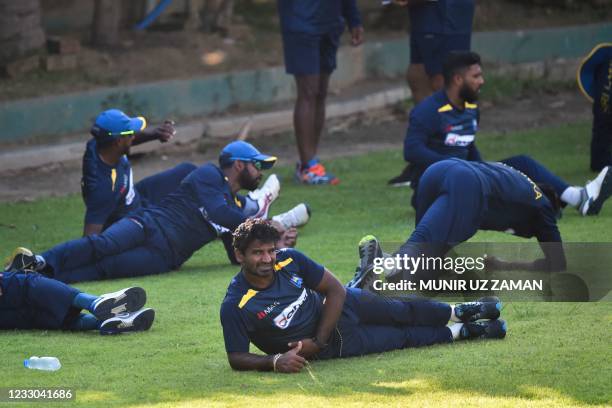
432,49
31,301
310,54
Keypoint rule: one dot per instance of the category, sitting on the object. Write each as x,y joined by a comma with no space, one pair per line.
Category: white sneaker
123,301
128,322
295,217
265,196
596,192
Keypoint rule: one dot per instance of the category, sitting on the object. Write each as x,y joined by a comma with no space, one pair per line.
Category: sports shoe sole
141,322
125,301
28,260
494,329
604,193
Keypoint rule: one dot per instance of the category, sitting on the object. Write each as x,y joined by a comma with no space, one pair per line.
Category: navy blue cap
244,151
601,54
113,123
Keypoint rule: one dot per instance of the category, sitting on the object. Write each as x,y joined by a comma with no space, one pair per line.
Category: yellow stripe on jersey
250,293
282,264
113,178
471,105
237,201
446,108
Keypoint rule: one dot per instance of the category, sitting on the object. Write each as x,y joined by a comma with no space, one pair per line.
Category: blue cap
113,123
601,54
244,151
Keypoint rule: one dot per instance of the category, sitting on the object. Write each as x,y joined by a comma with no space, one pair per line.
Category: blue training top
108,191
437,131
317,16
513,201
288,310
200,209
442,17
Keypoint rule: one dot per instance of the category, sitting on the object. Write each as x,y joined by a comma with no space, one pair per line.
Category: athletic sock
40,262
453,317
455,329
250,207
85,321
84,301
572,196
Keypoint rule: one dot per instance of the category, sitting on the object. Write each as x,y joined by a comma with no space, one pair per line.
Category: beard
247,181
467,94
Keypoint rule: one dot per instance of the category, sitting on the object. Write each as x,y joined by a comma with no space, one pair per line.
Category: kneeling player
29,300
276,302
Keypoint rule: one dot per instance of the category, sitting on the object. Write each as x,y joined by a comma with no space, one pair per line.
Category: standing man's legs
310,58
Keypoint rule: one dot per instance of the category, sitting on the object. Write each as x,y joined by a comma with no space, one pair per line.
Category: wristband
274,360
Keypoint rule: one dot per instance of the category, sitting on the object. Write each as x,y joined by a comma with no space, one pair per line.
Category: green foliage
556,354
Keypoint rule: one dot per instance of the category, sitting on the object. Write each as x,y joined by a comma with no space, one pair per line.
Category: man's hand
163,132
288,237
356,36
309,347
291,361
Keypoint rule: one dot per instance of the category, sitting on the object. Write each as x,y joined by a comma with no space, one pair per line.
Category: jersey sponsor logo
454,139
267,310
219,229
296,281
283,320
129,198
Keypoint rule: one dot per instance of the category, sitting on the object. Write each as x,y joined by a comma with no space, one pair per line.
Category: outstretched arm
163,133
289,362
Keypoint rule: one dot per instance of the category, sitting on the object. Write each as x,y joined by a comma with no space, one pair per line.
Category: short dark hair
254,229
457,62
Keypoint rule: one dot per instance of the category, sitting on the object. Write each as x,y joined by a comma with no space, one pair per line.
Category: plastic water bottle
42,363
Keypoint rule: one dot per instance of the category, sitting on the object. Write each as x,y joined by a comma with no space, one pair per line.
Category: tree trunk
106,19
21,33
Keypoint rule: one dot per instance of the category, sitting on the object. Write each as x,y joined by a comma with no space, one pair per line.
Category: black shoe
490,329
369,249
403,179
471,311
123,301
22,259
128,322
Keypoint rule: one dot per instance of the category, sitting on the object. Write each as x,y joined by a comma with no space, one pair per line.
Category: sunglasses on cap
256,163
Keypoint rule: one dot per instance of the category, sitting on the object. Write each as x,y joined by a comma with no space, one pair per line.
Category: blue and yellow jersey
514,203
288,310
200,209
108,191
437,130
442,17
317,16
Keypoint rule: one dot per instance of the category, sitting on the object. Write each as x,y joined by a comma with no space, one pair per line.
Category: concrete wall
71,113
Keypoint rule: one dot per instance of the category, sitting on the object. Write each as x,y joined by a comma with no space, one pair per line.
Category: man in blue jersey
437,28
456,198
311,31
444,125
107,183
294,309
157,239
29,300
595,81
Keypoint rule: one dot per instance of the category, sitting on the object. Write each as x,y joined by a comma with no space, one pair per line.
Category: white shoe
596,192
123,301
128,322
295,217
265,196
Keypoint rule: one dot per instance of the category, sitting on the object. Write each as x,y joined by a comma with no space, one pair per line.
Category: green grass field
555,354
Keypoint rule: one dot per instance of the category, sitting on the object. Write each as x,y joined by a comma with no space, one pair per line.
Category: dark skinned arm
334,293
90,229
289,362
163,133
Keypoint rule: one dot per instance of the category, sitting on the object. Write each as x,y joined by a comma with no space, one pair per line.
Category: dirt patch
252,41
354,135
